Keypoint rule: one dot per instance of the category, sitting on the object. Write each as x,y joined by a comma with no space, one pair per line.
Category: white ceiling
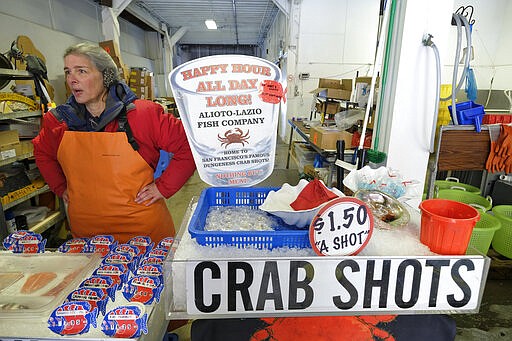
240,22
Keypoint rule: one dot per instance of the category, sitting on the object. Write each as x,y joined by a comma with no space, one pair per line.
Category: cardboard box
26,147
362,90
124,73
329,83
27,130
328,107
326,137
317,173
11,146
334,88
9,151
114,51
368,80
334,93
111,47
142,92
9,137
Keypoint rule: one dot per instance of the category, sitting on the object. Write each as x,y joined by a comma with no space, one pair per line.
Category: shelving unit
52,217
325,103
329,155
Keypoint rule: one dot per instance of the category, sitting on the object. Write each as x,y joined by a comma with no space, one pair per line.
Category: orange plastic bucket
446,225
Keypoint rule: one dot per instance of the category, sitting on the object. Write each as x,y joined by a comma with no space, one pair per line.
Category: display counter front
205,282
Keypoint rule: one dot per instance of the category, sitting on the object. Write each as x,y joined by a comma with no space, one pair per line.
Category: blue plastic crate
283,236
469,113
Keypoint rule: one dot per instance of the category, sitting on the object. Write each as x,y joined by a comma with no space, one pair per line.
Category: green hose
374,155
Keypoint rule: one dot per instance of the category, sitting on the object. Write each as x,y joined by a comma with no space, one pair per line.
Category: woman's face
84,79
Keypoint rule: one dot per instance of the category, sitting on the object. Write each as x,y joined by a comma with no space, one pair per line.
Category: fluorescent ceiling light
211,24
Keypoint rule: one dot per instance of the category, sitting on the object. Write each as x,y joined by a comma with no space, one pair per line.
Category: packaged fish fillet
75,245
166,243
158,251
30,243
127,321
37,281
120,258
104,283
153,260
130,249
143,289
118,272
154,270
95,296
144,243
72,318
13,237
101,244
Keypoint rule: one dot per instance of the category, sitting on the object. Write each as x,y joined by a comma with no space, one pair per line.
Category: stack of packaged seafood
92,286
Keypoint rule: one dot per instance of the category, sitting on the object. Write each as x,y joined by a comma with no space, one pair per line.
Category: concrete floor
493,322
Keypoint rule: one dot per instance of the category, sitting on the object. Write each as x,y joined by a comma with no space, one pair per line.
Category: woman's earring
108,77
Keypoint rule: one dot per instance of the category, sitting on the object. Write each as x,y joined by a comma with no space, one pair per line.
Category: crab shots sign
229,106
335,285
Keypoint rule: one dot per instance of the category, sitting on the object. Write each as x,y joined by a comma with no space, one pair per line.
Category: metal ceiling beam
284,6
177,36
148,18
110,24
119,5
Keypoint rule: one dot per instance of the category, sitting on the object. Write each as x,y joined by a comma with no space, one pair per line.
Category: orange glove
506,142
492,158
507,165
492,155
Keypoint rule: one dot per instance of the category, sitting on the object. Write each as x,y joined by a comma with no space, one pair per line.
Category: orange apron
104,174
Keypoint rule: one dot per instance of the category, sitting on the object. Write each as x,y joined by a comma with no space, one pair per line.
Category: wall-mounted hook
466,11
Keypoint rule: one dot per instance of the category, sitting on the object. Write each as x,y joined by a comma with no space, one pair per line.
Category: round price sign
342,227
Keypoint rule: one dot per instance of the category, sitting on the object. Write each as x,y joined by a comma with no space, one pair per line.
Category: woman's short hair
98,56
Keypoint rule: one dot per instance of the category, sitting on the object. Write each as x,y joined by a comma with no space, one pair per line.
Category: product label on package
350,286
229,105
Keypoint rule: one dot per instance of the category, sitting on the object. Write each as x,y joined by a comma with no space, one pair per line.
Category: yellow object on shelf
18,194
446,91
13,97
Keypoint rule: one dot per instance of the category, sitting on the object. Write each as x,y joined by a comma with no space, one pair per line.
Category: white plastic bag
383,179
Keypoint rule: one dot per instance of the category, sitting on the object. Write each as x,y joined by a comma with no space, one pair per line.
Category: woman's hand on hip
65,196
148,195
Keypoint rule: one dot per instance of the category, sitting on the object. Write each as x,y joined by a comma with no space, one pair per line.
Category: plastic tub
469,113
483,232
453,183
502,240
447,225
472,199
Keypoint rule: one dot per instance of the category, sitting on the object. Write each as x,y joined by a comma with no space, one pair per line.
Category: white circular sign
342,227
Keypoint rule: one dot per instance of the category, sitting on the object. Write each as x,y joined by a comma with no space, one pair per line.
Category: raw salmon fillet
9,278
65,281
37,281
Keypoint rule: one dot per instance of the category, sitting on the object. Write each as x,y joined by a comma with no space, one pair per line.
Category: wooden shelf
41,190
16,158
46,223
19,114
15,74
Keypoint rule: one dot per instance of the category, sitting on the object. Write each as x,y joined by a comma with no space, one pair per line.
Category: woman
100,149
